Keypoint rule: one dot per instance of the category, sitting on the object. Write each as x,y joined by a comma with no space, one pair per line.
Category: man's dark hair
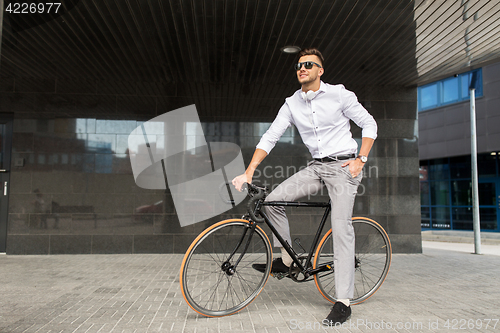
312,51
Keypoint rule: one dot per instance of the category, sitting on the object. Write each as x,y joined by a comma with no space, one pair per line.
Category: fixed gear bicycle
217,278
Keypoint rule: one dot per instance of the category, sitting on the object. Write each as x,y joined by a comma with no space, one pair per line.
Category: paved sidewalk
461,241
140,293
455,236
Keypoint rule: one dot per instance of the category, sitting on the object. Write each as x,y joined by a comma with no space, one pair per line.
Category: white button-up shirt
322,122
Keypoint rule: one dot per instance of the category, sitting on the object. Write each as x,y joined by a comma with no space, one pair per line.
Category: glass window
461,193
465,82
487,194
441,217
479,83
488,218
429,96
439,193
486,165
460,167
450,90
424,193
462,218
425,217
261,128
439,169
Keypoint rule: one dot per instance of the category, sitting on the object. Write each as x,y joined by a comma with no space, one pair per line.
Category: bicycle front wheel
372,260
217,278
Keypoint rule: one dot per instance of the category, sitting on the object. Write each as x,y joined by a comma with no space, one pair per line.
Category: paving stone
141,293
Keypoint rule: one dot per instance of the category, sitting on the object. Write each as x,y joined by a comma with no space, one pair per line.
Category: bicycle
217,278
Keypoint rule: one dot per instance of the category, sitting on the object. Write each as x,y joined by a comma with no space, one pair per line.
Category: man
321,113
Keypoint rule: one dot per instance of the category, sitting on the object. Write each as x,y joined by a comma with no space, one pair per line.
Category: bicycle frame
288,248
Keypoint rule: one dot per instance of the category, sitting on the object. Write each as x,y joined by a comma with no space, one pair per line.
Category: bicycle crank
296,274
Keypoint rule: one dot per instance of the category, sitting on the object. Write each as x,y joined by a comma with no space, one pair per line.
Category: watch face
363,159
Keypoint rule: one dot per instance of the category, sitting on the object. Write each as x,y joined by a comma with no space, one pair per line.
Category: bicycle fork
227,267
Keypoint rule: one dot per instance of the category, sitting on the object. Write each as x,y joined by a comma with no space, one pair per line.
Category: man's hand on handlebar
240,180
258,156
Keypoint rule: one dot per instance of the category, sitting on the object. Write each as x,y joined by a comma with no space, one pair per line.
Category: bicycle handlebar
256,193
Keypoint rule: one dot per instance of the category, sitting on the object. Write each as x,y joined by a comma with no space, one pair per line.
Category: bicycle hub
228,268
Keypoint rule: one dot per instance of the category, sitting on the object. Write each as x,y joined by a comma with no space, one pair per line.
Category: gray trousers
342,189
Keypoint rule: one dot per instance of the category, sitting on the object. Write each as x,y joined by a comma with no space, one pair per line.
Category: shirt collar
322,88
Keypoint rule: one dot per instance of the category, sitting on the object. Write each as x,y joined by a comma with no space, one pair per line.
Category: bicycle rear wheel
210,282
372,261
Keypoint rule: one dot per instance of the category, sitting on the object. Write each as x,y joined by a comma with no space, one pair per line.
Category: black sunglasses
307,65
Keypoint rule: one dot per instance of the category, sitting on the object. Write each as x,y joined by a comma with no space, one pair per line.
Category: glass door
5,158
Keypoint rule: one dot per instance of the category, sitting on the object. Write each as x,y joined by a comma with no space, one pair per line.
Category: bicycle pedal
279,276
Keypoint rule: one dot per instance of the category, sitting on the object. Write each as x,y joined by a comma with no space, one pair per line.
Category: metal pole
475,190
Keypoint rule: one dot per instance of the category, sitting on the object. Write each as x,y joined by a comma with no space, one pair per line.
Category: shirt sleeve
356,112
282,121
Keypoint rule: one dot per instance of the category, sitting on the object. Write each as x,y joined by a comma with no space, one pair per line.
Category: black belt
335,158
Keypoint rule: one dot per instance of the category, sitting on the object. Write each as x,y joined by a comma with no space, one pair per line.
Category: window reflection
460,167
447,91
487,194
424,193
488,218
462,218
439,193
486,165
465,82
426,217
85,126
428,96
441,217
115,126
439,169
461,193
450,90
79,144
448,184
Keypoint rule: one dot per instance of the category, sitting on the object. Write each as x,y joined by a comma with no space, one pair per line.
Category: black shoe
277,267
339,314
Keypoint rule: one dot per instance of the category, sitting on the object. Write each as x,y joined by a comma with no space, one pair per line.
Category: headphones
310,95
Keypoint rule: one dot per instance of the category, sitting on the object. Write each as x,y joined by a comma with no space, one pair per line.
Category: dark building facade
73,85
80,170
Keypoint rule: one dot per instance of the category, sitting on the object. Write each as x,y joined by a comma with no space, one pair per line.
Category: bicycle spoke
372,253
209,284
216,284
224,296
332,280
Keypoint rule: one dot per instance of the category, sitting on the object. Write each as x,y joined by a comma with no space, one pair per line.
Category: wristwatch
363,158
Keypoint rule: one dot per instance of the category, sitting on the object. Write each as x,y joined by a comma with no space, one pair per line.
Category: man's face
309,75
